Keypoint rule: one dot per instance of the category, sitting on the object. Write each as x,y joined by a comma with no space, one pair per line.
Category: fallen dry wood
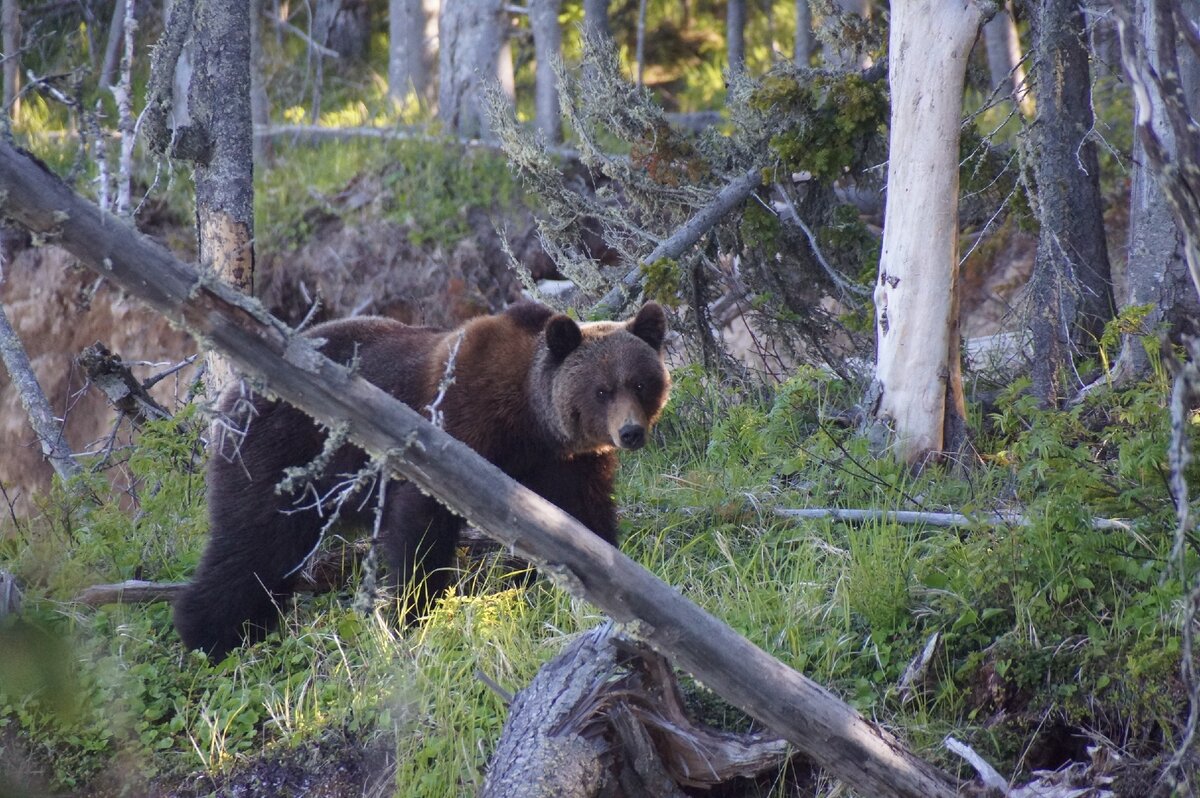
603,718
931,518
819,724
124,391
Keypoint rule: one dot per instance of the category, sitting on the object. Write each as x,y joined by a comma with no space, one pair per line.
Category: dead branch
689,233
829,731
607,715
930,518
328,571
125,393
33,399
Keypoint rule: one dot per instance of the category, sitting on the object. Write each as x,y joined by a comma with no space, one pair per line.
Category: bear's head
606,381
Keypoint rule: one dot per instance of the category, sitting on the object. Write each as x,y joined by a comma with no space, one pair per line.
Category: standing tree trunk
112,46
547,45
471,33
219,103
802,51
1003,43
1071,286
735,35
10,21
412,31
917,390
1156,270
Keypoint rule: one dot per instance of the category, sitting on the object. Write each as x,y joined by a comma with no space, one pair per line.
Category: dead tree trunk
10,23
412,29
219,100
1071,287
1003,43
605,718
735,35
917,394
802,50
820,725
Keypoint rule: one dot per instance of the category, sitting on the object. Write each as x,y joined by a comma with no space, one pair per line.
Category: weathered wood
125,393
605,716
822,726
931,518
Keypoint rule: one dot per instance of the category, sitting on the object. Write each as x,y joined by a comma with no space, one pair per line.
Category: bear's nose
633,436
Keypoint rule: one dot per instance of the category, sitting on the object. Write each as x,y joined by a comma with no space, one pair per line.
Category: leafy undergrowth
1052,635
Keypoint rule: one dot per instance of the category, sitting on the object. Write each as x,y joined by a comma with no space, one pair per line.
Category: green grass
1071,625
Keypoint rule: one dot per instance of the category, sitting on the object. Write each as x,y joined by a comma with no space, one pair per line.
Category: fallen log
606,717
825,728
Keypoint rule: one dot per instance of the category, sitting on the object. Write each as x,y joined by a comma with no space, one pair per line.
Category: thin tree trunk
802,51
10,22
820,725
641,42
112,45
735,35
1003,44
219,101
470,34
260,104
123,92
1071,286
917,391
547,44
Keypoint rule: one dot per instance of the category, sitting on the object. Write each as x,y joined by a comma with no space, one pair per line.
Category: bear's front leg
417,539
581,486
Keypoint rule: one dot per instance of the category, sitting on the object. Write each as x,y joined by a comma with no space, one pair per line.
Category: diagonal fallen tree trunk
820,725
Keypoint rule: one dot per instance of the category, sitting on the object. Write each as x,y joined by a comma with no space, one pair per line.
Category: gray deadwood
471,34
547,46
819,724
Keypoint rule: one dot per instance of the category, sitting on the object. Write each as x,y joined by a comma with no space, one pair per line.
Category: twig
304,37
787,211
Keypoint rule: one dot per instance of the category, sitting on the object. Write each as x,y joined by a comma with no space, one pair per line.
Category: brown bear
545,399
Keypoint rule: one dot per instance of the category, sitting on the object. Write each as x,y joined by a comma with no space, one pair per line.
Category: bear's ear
650,324
563,336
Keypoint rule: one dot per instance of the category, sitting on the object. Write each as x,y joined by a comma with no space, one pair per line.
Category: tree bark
10,39
1071,287
412,32
1156,270
917,394
735,35
803,48
547,45
112,45
219,100
470,35
821,726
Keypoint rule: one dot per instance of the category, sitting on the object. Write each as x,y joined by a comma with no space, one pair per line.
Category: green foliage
827,119
425,185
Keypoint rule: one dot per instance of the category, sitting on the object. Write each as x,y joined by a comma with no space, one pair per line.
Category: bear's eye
601,395
639,388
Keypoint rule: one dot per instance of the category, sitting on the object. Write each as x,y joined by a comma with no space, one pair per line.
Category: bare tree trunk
112,45
641,42
1003,44
260,104
820,725
1156,270
917,391
219,100
412,31
1071,287
10,22
735,35
547,44
802,51
123,92
470,34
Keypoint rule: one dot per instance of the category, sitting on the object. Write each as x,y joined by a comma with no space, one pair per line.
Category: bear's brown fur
547,400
